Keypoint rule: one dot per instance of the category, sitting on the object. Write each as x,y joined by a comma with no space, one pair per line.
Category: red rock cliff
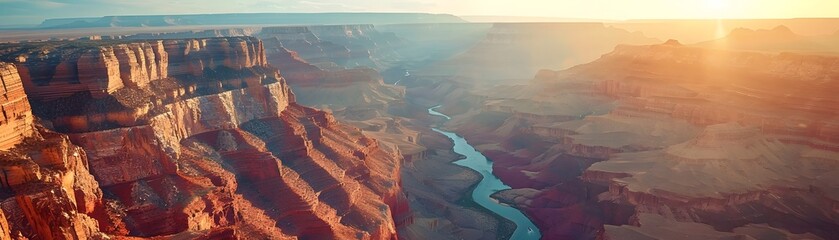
60,70
16,122
46,186
219,149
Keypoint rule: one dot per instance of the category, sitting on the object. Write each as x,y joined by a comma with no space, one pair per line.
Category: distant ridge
248,19
777,39
514,19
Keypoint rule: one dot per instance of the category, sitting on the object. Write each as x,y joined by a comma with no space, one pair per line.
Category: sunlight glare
716,8
716,5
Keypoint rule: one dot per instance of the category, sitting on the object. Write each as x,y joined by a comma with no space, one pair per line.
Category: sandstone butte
196,138
331,67
655,140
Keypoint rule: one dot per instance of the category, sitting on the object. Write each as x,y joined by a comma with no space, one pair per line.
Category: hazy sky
34,11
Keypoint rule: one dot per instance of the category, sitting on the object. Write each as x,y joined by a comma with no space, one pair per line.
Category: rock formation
724,140
16,123
47,187
196,138
358,96
64,70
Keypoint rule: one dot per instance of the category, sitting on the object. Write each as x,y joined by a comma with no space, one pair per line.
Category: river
525,229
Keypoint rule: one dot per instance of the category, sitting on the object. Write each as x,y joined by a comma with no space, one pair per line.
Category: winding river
525,229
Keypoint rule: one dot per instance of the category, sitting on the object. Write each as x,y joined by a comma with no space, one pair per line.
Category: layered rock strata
17,120
437,190
61,70
48,191
207,142
713,137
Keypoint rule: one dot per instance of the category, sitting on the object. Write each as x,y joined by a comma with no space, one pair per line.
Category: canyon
189,138
667,134
167,137
209,127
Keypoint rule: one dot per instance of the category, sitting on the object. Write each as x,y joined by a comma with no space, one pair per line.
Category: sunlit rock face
514,51
103,69
46,187
17,118
717,138
197,138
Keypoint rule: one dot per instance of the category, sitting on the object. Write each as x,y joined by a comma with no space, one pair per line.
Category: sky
13,12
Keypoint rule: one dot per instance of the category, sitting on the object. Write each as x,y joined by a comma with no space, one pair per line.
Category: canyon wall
716,138
101,70
46,184
195,138
17,114
360,97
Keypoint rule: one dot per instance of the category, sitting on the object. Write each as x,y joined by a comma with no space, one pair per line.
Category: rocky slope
192,138
437,190
723,138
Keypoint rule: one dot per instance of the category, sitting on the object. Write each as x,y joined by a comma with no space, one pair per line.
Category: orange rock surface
16,123
711,136
188,139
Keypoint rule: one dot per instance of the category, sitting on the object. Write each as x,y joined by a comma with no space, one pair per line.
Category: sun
716,4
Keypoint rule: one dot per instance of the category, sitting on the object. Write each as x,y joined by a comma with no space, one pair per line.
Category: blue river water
525,229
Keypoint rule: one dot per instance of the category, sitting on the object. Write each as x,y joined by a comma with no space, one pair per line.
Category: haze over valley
419,120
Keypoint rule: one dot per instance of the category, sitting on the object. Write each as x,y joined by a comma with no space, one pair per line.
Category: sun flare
716,4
